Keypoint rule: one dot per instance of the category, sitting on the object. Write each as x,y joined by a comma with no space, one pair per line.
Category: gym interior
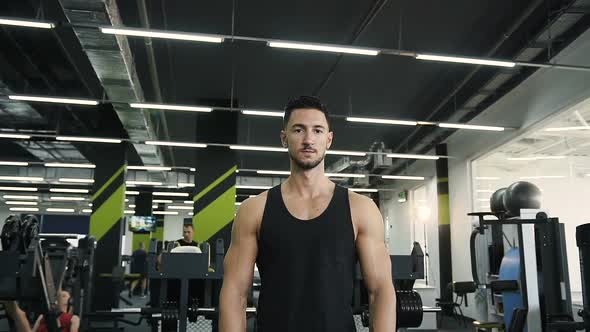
466,122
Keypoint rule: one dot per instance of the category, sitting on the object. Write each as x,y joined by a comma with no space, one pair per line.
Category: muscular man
305,237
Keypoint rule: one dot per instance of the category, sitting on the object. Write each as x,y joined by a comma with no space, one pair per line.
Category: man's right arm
239,266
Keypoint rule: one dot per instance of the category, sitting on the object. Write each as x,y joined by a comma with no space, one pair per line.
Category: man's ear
283,139
330,139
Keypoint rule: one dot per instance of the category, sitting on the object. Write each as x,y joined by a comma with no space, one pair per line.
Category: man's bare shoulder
253,208
360,202
362,208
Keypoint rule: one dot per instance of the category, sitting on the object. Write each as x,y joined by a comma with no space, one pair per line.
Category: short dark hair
305,102
188,225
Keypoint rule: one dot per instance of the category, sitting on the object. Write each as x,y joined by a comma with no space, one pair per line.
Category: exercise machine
529,283
406,269
36,266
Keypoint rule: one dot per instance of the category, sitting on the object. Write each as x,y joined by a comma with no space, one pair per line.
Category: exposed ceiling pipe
530,9
151,59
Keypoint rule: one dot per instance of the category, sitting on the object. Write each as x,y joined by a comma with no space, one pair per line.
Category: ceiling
250,75
565,135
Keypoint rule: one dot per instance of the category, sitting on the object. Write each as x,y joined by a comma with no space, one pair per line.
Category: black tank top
306,267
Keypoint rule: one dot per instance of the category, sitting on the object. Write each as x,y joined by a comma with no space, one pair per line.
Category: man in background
187,236
139,266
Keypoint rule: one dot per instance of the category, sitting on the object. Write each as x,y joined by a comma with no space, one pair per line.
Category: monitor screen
142,224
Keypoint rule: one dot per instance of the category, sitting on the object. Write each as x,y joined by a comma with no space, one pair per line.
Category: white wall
401,216
173,227
543,94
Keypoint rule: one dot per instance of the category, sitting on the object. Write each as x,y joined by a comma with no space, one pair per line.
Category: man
187,236
66,321
139,266
305,236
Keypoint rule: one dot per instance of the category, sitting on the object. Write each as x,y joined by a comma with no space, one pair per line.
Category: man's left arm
375,265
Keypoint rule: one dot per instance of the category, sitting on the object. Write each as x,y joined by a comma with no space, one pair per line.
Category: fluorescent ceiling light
67,165
19,197
165,212
257,148
154,206
90,204
472,127
59,210
267,172
568,128
162,201
402,177
165,193
382,121
263,113
485,191
161,34
238,203
252,187
191,214
345,175
76,180
86,210
126,200
21,178
18,189
132,206
88,139
18,136
129,212
536,158
172,107
178,144
20,203
27,23
185,184
542,177
192,169
474,61
13,163
131,192
487,178
180,207
57,100
346,153
412,156
64,198
24,209
143,183
251,196
324,48
66,190
149,168
364,190
188,202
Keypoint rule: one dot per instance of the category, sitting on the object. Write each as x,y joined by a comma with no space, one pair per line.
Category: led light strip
56,100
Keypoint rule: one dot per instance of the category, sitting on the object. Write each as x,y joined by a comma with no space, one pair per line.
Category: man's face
187,234
307,137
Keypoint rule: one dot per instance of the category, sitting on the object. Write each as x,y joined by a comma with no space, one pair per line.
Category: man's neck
308,183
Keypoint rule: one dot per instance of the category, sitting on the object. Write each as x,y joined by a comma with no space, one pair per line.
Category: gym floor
449,324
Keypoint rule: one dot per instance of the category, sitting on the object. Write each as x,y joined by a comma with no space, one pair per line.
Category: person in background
187,236
66,321
139,266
